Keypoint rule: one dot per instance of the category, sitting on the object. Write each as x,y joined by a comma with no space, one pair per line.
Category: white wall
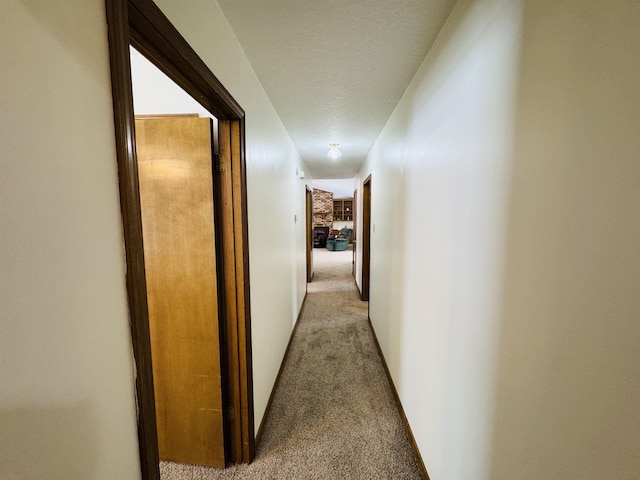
339,225
569,364
67,408
505,255
439,180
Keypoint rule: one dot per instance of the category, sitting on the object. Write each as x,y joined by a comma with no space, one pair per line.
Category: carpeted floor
333,415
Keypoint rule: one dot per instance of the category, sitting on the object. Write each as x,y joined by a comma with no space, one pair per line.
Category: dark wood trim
308,223
142,24
223,185
277,380
366,238
118,34
226,363
354,238
246,350
229,181
155,36
405,421
240,246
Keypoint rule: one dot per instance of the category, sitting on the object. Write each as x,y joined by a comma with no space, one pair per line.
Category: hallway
333,414
505,241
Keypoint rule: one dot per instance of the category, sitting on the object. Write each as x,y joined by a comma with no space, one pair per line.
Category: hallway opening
333,216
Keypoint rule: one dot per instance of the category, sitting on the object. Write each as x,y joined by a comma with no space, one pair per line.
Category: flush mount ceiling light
334,152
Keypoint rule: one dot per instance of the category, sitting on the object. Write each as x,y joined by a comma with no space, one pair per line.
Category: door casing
366,238
142,24
309,229
354,238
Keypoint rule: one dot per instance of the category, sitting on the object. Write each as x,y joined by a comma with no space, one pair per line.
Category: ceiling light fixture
334,152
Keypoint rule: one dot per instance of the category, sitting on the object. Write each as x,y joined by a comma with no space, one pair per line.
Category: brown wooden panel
242,301
309,232
353,234
244,292
176,192
225,184
366,237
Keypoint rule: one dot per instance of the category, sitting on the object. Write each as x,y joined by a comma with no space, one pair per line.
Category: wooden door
366,237
353,234
176,196
309,228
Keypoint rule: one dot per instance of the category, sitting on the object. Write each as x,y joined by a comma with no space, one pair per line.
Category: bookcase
343,210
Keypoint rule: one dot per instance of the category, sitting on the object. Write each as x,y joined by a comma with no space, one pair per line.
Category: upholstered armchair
341,242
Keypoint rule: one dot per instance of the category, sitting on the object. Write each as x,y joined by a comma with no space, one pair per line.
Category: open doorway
366,238
333,220
309,232
176,149
140,23
355,225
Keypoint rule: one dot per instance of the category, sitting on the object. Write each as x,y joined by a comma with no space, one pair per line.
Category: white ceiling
335,69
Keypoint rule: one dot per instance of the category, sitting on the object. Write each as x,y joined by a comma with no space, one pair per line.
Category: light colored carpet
333,415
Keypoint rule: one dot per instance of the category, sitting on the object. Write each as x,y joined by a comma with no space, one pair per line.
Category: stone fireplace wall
322,208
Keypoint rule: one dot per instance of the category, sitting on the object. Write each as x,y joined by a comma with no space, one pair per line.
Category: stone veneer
322,208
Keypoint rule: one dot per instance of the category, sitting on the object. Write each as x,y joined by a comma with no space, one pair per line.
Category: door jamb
142,24
354,236
309,229
366,238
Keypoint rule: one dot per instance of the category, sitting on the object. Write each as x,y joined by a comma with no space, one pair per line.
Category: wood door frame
366,238
142,24
355,237
309,228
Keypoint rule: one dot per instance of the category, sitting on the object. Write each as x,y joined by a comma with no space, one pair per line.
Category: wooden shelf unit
343,210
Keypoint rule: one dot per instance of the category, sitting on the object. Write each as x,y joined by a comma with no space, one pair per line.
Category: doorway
355,229
366,238
141,24
309,228
175,158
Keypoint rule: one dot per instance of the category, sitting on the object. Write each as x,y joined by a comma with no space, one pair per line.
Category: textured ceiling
335,69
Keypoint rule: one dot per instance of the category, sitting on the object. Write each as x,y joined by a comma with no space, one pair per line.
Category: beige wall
569,362
67,407
505,271
339,225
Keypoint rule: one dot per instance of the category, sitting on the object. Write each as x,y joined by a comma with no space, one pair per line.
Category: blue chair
346,233
341,242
